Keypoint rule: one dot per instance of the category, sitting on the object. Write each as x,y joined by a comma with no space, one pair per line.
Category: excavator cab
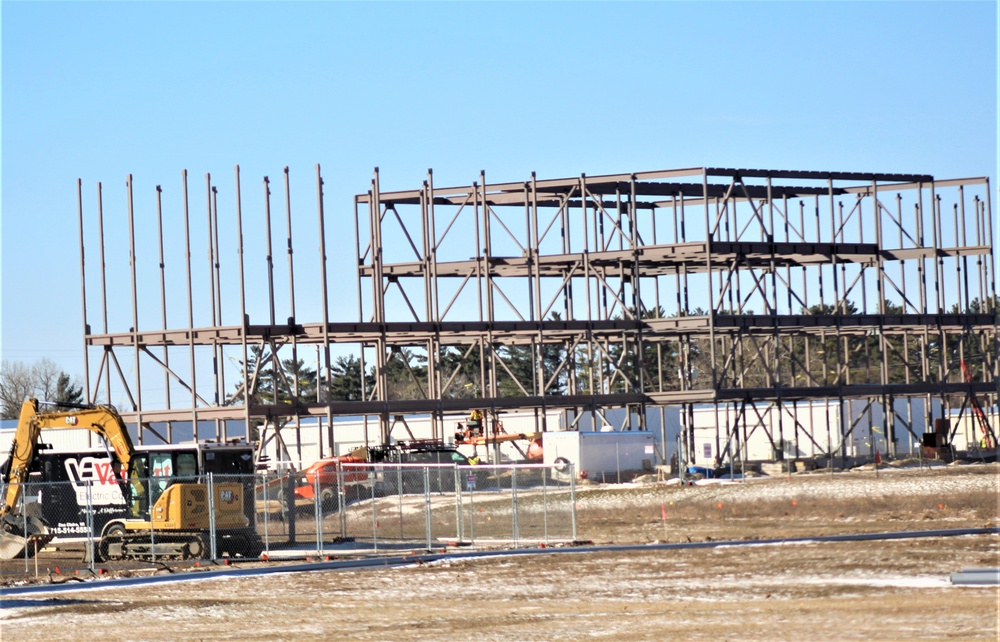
161,474
152,473
136,497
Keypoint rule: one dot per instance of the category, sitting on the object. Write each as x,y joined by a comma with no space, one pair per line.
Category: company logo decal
96,471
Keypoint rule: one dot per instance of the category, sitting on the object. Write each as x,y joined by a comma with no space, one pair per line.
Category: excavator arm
18,531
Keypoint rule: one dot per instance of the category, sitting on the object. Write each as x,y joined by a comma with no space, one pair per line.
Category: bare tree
46,377
43,380
17,383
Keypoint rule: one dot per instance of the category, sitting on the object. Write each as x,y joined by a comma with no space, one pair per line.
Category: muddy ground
886,590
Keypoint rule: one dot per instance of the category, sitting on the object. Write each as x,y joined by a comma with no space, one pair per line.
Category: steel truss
747,290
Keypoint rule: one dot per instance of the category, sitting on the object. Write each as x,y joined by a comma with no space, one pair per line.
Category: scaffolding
750,291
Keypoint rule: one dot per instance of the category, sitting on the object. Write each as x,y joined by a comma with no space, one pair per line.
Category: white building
802,430
808,429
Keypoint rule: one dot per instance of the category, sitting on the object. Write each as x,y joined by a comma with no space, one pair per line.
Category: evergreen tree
345,381
460,372
66,392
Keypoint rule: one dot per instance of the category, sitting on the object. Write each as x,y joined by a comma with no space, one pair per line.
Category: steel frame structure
748,290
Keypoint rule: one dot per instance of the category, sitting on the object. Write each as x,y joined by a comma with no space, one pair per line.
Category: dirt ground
895,589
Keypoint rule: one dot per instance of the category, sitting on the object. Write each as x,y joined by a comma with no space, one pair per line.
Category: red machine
328,473
988,441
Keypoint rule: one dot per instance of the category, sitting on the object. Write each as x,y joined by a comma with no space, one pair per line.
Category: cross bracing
679,287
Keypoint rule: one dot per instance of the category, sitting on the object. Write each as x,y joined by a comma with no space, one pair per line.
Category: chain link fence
392,506
352,509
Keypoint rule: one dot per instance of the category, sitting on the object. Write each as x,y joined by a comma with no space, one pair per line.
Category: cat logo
227,496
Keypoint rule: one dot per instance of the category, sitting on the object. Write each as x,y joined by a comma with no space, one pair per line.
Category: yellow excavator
178,524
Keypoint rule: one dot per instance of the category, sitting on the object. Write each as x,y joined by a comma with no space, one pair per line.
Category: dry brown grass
964,497
896,590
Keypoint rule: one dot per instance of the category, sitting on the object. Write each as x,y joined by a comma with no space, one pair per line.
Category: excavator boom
23,534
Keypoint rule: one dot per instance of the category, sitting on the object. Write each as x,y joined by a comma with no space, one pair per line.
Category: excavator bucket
18,541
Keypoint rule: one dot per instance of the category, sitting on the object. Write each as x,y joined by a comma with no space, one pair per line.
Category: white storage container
602,456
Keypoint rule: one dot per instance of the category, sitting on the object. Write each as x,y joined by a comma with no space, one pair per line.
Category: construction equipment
24,534
475,433
164,518
988,439
326,476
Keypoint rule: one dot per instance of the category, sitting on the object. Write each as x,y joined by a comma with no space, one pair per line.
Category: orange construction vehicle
988,440
327,475
475,432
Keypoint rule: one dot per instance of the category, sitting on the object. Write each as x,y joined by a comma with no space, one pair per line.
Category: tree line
819,356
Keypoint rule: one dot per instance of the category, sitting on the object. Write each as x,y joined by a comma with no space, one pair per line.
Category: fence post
399,498
427,505
472,516
545,505
288,484
572,497
152,513
90,525
211,516
342,500
458,504
374,520
318,508
267,512
515,532
24,527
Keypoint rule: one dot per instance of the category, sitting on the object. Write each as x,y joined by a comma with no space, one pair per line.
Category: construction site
743,296
737,385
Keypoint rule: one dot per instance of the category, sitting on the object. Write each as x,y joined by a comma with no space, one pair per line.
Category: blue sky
99,91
